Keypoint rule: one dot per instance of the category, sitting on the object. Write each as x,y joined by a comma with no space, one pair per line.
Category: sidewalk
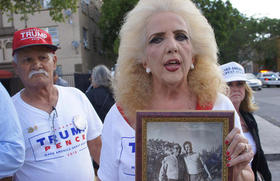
269,135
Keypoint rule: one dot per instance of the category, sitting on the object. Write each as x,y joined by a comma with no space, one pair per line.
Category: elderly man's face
35,66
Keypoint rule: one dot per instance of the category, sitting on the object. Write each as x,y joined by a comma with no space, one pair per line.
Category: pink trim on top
123,115
206,107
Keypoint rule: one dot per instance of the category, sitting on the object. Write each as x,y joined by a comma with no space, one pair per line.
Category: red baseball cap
32,37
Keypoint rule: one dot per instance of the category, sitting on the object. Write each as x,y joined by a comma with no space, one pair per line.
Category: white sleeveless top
251,141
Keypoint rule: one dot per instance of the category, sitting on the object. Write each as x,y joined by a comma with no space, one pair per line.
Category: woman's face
187,148
168,50
237,91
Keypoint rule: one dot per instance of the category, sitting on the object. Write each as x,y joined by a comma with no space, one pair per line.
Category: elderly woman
167,61
100,95
241,96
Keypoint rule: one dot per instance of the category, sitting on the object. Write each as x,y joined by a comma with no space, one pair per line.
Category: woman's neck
236,106
173,99
243,123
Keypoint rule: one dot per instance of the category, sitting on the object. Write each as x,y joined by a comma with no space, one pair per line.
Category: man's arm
205,168
162,174
94,147
12,149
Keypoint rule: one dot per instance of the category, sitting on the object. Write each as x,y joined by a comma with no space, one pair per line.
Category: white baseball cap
233,71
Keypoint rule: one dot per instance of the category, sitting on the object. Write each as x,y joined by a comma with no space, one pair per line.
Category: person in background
11,139
170,165
100,95
60,127
167,61
241,96
194,164
58,80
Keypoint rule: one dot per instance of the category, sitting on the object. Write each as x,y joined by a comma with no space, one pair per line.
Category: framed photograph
182,145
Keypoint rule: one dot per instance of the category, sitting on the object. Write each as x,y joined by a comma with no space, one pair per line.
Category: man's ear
54,61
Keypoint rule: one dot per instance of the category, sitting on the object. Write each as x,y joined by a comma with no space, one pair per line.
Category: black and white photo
180,148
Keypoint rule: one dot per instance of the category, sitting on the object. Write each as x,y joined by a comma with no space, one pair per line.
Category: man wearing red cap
60,127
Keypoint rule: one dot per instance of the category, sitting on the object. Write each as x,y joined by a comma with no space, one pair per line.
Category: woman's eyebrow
181,31
157,34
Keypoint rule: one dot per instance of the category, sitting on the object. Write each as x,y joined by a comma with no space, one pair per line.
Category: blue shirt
61,82
12,150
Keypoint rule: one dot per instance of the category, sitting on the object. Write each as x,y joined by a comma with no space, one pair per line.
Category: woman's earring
192,66
148,70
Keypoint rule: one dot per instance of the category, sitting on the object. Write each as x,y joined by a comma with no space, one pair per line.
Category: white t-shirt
67,158
169,168
117,161
251,141
193,163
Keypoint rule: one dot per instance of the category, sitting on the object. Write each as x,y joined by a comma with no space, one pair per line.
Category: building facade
78,37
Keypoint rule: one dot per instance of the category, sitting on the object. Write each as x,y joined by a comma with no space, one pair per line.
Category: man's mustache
40,71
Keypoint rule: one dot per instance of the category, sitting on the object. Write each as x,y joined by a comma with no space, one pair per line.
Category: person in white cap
60,127
241,96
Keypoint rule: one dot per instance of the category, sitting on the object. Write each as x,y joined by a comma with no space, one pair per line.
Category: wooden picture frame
157,133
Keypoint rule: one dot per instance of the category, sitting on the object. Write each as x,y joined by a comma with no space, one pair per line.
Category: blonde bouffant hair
133,86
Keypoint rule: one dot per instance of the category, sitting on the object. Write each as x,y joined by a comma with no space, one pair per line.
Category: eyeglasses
236,84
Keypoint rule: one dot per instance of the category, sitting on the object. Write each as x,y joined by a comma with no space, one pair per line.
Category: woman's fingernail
229,159
227,153
226,142
228,165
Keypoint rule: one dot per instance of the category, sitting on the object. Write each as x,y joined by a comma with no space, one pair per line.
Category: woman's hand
239,154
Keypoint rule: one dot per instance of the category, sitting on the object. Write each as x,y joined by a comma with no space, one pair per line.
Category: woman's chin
173,79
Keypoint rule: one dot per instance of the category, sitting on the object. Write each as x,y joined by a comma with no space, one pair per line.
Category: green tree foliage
265,43
239,46
29,7
225,20
112,14
255,40
241,38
